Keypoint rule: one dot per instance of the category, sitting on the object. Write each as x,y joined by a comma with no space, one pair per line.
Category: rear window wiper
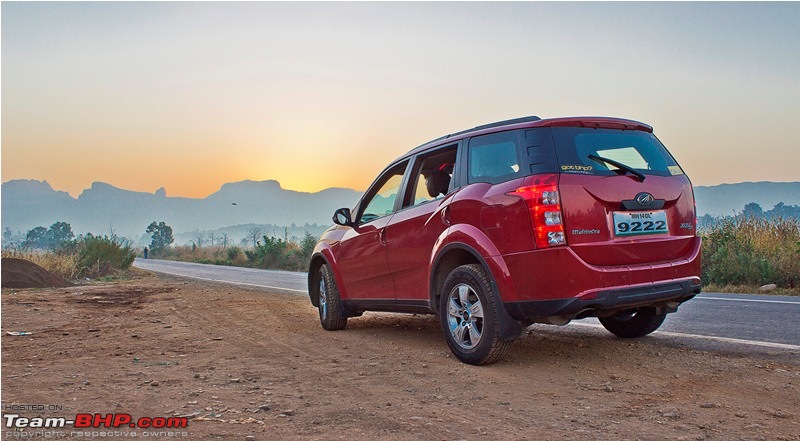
619,165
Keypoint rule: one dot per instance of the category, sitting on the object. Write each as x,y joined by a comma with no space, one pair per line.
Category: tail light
544,204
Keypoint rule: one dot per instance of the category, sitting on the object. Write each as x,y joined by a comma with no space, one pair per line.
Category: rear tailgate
590,204
638,215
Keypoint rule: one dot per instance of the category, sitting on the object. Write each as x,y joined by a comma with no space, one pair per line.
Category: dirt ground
244,364
19,273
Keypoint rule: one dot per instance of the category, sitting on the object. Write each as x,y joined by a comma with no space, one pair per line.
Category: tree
59,233
161,234
753,210
254,234
199,239
36,238
784,211
8,238
307,245
48,239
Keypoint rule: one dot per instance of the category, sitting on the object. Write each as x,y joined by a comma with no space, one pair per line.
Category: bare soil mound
19,273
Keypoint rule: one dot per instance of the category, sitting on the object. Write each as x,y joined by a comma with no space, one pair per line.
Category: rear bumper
556,282
662,295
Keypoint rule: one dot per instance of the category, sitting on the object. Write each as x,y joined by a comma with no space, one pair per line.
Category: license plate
634,223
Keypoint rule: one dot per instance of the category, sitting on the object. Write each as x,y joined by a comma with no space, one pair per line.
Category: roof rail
507,122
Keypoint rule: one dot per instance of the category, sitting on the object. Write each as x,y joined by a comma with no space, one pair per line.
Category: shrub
235,257
275,253
269,253
272,253
88,256
101,255
218,255
749,250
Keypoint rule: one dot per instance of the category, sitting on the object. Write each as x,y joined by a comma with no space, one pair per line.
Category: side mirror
342,217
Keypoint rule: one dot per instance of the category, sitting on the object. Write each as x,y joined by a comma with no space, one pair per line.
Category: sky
189,96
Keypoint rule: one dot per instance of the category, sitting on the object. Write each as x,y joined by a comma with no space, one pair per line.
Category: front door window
381,203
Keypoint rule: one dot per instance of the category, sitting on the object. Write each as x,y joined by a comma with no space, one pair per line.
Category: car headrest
437,183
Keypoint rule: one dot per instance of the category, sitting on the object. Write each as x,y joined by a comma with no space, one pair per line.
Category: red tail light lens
544,204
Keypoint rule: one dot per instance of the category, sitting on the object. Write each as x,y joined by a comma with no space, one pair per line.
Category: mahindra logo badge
644,199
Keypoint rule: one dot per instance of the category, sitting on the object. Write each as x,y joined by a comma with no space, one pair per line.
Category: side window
381,201
493,158
431,177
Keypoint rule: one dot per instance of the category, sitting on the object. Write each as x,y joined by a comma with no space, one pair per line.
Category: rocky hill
28,203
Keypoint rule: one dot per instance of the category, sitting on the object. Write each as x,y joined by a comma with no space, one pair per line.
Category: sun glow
189,96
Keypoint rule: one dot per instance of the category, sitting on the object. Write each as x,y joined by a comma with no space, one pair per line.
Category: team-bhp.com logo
97,420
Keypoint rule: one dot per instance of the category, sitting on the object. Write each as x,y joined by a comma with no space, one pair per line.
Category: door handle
382,236
446,215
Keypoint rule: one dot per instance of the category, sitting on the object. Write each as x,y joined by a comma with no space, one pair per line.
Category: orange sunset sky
189,96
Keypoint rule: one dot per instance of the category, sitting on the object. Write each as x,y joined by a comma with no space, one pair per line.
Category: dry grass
270,253
89,256
217,255
64,265
749,289
751,251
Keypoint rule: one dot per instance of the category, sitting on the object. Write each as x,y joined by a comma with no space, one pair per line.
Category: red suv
517,222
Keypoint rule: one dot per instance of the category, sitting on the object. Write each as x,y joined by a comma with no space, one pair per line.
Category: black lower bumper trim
610,300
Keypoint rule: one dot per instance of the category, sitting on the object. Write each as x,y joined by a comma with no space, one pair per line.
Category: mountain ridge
102,207
28,203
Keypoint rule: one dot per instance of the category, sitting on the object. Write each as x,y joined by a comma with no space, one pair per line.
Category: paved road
769,322
286,281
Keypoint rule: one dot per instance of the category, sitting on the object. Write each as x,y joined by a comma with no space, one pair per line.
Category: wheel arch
463,244
317,260
450,257
323,255
454,255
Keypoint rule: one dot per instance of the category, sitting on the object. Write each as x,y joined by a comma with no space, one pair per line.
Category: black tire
330,305
471,331
633,323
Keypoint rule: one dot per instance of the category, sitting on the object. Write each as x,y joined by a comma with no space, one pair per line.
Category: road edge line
765,344
783,302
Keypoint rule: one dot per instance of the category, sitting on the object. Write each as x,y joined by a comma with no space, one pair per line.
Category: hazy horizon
189,96
27,205
169,194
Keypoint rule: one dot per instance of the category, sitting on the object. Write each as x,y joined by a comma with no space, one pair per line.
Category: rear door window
432,177
636,149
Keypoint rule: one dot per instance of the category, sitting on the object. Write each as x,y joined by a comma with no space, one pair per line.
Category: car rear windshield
639,150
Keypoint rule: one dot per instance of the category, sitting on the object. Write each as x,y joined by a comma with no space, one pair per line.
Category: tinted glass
639,150
382,201
493,158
